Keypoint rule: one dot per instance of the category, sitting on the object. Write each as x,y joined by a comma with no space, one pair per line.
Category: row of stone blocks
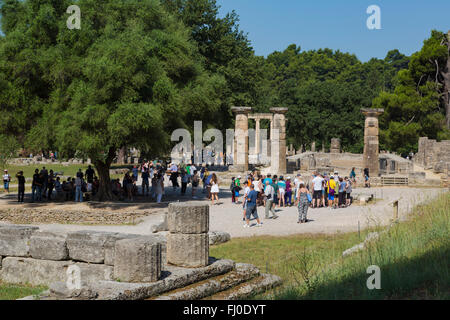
106,255
37,257
188,240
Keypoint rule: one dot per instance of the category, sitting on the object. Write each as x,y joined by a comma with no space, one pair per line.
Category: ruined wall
36,257
433,155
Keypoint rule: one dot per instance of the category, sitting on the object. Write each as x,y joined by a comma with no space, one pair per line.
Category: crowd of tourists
320,190
47,184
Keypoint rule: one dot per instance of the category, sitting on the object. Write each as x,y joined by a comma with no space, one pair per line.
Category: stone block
188,250
44,272
110,245
49,246
188,218
15,240
137,260
89,246
217,237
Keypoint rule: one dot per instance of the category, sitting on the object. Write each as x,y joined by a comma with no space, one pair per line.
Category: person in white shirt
6,180
244,206
317,187
297,181
269,193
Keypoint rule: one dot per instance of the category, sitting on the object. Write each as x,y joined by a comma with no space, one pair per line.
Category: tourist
232,186
195,183
80,174
281,191
268,178
90,173
288,193
159,187
50,184
174,176
145,182
78,191
135,172
214,188
208,185
205,176
251,207
184,181
269,193
331,192
128,186
342,193
21,183
348,191
58,188
366,178
317,182
353,177
44,179
36,187
326,178
297,181
237,189
244,205
276,191
303,197
6,180
72,189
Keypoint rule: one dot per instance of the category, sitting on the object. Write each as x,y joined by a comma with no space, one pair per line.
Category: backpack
330,190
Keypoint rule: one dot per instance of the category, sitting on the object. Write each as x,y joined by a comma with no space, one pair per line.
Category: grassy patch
13,291
414,258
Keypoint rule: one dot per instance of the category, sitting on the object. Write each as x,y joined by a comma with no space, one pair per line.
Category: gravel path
228,217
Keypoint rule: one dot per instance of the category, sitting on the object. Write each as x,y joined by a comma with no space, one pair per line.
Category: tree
417,106
8,149
130,76
325,90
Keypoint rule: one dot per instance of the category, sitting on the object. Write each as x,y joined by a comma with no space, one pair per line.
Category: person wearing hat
21,182
6,180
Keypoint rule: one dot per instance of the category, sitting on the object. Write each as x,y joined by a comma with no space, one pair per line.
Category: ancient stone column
257,137
335,145
278,140
313,147
240,159
371,142
188,241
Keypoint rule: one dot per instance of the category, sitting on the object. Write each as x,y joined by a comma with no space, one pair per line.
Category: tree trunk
104,190
121,155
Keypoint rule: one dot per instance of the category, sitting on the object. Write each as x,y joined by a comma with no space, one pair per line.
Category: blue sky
339,24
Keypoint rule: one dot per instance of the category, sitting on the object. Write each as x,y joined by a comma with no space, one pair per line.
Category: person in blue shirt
269,178
251,207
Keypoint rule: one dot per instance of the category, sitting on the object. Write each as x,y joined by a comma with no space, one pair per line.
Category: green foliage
324,91
415,108
8,149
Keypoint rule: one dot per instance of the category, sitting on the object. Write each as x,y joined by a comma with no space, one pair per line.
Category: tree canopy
416,107
138,69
